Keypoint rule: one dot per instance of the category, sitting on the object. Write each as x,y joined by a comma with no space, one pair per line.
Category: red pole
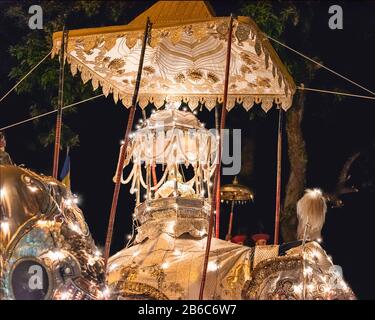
278,177
216,191
217,207
123,149
154,177
230,227
217,216
56,154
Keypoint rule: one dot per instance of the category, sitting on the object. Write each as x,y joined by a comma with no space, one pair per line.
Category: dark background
333,131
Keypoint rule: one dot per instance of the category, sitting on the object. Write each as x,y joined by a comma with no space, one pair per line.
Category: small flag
65,172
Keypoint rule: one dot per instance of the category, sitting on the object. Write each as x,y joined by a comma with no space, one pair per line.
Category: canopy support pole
60,106
217,216
154,176
216,191
123,149
278,176
230,227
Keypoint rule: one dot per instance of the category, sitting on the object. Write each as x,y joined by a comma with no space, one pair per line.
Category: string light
76,199
45,223
165,265
135,254
310,287
33,188
98,253
112,267
308,271
212,266
177,252
106,293
2,192
55,255
5,227
298,289
75,227
65,295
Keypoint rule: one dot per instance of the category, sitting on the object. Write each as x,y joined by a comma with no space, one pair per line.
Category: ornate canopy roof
185,59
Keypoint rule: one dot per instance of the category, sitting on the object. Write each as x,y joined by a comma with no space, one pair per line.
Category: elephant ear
297,276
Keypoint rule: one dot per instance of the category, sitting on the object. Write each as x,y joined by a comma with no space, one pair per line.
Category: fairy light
319,240
212,266
76,200
128,236
298,289
97,253
5,227
170,227
2,193
65,295
165,265
310,287
326,289
106,293
68,202
55,255
91,260
308,271
344,286
45,223
177,252
135,254
112,267
75,227
33,188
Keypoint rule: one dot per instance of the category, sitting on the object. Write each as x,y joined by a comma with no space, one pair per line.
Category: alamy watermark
336,21
36,20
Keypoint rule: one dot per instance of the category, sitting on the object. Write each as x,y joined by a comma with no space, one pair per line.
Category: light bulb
212,266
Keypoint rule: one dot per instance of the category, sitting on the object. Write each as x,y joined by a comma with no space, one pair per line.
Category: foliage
30,46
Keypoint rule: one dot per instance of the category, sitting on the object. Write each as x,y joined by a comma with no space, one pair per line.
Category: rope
336,92
25,76
48,113
321,65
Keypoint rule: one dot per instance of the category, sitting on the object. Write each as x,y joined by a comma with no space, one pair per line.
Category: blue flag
65,171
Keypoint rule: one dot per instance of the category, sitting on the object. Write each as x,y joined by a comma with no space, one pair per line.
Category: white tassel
311,210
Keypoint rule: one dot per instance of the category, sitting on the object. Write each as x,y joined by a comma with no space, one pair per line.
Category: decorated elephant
166,261
46,248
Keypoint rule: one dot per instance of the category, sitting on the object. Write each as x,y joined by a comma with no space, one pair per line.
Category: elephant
46,249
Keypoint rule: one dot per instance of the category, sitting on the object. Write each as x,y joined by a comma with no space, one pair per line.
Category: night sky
333,131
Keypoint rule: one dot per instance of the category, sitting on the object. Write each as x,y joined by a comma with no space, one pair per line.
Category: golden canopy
184,60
